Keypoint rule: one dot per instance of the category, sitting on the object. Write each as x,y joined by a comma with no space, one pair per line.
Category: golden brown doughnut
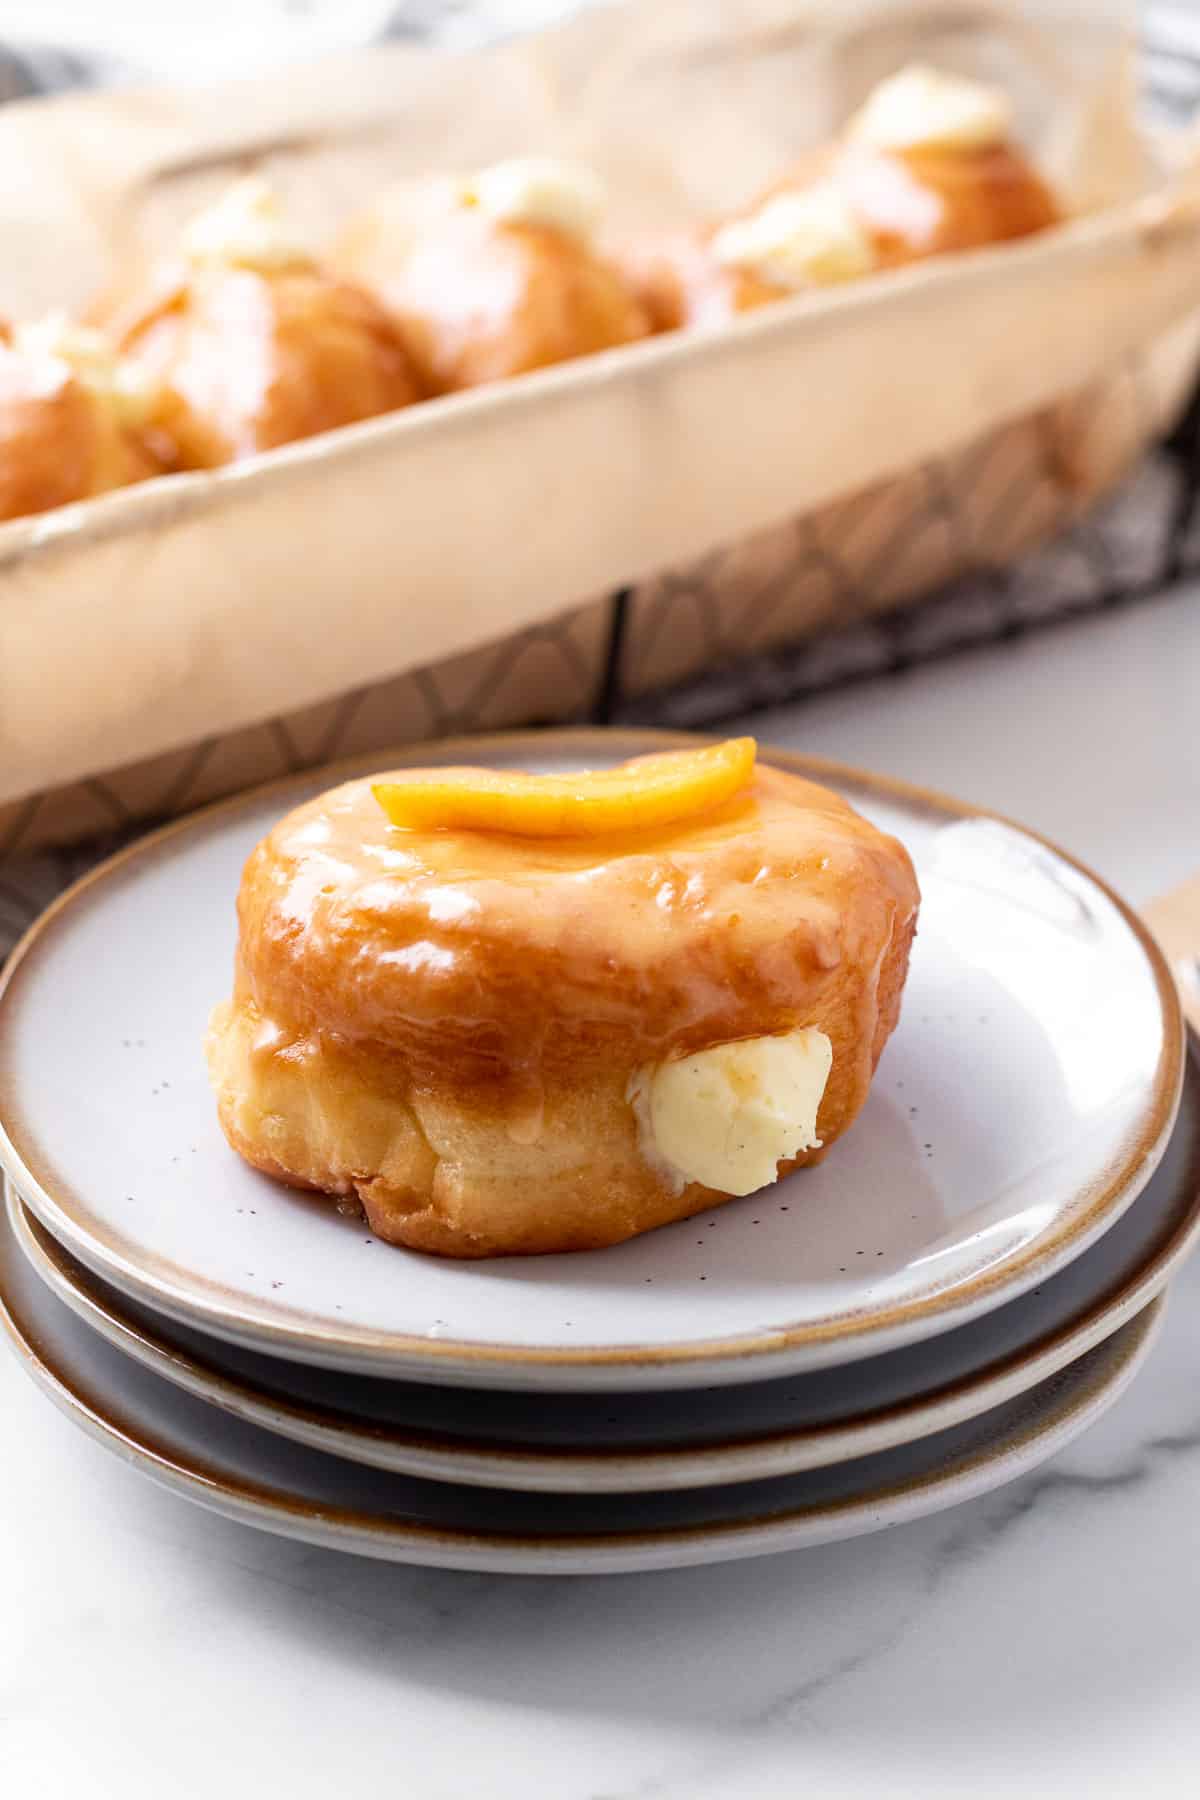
480,298
247,359
680,282
907,202
249,342
63,435
450,1024
931,201
930,165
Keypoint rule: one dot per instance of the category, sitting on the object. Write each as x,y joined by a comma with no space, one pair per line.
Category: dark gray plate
268,1481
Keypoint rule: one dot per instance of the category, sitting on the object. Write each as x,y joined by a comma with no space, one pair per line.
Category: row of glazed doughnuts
245,340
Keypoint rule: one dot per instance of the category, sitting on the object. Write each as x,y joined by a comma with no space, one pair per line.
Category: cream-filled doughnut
929,165
251,343
74,418
495,274
543,1039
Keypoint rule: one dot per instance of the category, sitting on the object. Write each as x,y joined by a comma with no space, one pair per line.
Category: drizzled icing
481,959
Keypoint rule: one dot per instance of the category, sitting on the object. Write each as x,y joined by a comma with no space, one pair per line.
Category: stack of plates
971,1278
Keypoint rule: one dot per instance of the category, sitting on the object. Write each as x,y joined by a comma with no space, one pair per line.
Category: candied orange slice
636,796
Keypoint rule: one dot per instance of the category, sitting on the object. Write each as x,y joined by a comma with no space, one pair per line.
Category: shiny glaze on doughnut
479,957
928,202
249,360
479,300
60,441
912,203
682,283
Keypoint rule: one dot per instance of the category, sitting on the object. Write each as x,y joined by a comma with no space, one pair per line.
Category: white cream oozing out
540,191
920,107
247,228
93,360
728,1116
810,238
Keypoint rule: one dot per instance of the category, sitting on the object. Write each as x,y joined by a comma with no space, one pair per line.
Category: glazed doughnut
496,275
930,201
680,282
251,344
927,167
497,1042
73,422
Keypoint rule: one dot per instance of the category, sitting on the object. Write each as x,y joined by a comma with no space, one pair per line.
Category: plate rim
421,1453
1067,1411
731,1358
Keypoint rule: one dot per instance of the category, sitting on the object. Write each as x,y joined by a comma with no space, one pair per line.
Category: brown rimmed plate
1022,1105
264,1480
649,1441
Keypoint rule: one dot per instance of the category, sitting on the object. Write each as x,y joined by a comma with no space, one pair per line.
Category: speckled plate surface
690,1437
1023,1103
268,1481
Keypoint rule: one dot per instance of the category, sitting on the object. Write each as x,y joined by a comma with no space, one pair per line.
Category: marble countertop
1043,1640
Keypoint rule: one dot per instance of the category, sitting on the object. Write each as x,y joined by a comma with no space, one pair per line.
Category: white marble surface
1043,1640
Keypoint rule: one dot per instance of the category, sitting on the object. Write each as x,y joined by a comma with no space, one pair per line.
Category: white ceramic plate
1023,1102
651,1442
264,1480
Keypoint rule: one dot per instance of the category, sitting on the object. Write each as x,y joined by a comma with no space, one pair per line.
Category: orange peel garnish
637,796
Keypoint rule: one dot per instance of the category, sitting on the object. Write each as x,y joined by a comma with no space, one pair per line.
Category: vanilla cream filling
810,238
923,108
540,191
246,227
92,359
728,1116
